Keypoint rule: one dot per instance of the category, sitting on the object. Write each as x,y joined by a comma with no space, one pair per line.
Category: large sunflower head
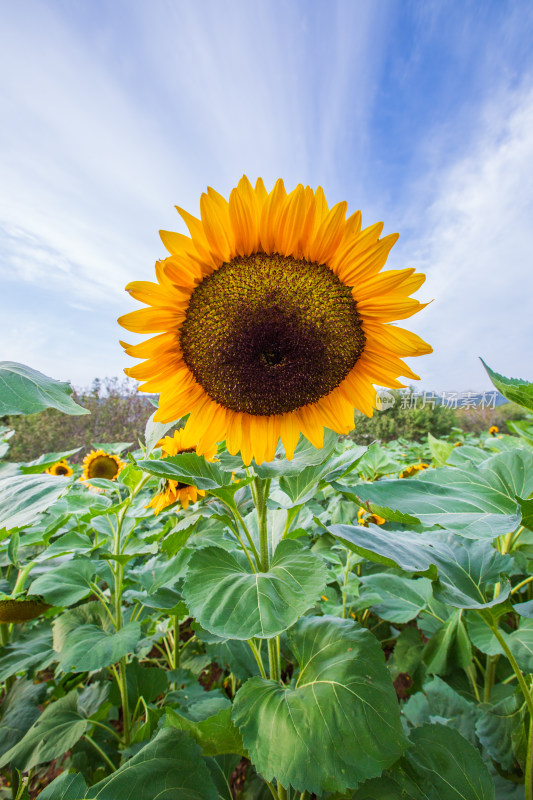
99,464
171,492
272,320
60,468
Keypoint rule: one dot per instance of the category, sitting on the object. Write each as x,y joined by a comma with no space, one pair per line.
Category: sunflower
12,610
172,491
99,464
60,468
493,430
364,517
412,470
272,320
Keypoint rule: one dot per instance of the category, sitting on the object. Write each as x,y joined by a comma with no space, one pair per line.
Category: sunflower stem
260,497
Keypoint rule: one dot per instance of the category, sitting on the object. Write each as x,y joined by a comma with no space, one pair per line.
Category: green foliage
405,420
270,640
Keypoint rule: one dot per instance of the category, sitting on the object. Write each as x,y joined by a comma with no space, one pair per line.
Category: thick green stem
176,643
528,777
273,659
260,497
490,674
516,669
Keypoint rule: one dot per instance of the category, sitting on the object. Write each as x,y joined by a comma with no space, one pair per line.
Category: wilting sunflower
272,320
172,491
99,464
412,470
364,517
22,610
493,430
60,468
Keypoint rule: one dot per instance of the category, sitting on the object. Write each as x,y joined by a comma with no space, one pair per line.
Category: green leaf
19,711
66,584
521,644
440,451
84,644
23,497
468,572
438,700
482,636
406,550
443,764
449,647
188,468
514,389
167,768
476,503
145,682
230,600
376,462
45,461
67,786
401,599
383,788
31,651
58,729
305,455
302,487
496,726
338,725
216,735
23,390
155,431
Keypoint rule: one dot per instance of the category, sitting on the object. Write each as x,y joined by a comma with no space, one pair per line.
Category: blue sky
418,113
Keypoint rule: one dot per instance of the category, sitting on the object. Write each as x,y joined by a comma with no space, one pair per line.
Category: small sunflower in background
60,468
493,430
364,517
412,470
99,464
272,320
170,491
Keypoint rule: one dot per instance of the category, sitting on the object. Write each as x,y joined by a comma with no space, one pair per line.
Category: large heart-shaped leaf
216,735
443,764
57,730
478,504
90,648
230,600
23,497
468,572
514,389
398,599
167,768
65,787
24,390
403,549
188,468
339,724
66,584
19,711
32,650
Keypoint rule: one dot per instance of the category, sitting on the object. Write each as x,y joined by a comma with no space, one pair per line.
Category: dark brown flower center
103,467
267,334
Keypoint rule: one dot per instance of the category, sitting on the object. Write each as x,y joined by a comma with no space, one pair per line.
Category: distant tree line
119,414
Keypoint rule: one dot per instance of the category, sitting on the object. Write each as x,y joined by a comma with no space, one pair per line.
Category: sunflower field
250,605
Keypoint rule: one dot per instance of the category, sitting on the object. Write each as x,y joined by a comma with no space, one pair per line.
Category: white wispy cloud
477,251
